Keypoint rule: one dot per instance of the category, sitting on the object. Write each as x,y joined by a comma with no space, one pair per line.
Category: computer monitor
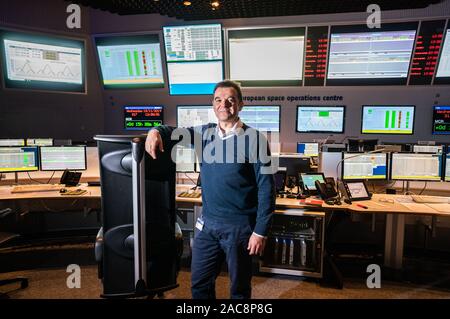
185,159
18,159
264,118
194,56
359,55
387,119
434,149
12,142
308,149
37,61
320,119
447,165
293,164
62,142
60,158
39,142
194,115
249,51
365,166
280,181
309,180
443,69
130,61
143,117
413,166
361,145
441,119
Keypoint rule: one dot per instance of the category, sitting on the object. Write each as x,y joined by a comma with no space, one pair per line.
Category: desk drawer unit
295,243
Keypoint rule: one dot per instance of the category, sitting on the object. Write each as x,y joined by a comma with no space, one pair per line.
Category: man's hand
153,142
256,245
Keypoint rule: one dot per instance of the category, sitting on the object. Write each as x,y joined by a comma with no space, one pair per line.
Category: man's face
226,104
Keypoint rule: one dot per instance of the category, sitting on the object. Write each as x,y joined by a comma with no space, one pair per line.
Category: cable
34,180
39,182
57,211
51,177
193,182
425,186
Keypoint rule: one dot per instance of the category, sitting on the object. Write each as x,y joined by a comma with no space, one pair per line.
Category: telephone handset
326,190
70,178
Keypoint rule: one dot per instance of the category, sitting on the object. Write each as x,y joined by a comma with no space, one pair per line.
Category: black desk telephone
327,191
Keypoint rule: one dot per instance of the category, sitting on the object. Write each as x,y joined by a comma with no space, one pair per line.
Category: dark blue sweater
234,189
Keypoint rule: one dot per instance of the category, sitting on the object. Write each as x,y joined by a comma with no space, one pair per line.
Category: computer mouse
63,190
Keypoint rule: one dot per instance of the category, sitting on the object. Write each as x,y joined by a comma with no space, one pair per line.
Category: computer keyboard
190,194
36,188
430,199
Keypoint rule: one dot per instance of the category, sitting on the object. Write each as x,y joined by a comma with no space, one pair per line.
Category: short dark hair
229,84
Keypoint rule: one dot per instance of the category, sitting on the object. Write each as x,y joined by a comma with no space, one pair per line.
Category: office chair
5,237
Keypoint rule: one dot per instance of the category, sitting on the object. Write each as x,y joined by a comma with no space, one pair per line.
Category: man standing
238,195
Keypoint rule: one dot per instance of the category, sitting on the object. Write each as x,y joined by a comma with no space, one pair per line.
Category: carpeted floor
51,284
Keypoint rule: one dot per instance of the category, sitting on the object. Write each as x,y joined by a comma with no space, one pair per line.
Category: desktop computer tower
137,251
295,244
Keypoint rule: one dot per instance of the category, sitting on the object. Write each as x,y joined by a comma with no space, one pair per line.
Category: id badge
199,223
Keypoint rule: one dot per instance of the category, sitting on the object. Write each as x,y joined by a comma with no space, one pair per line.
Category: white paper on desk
443,208
415,207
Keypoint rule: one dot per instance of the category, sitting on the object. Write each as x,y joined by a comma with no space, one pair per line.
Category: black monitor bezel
272,105
63,146
189,105
143,129
46,39
385,27
167,62
304,188
23,140
318,148
443,79
433,132
445,157
123,36
321,106
359,178
258,33
363,181
37,138
37,158
414,179
380,105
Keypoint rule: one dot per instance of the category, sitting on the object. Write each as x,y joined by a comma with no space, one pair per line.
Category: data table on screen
409,166
194,115
365,166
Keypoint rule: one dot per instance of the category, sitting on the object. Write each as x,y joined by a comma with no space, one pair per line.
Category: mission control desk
295,244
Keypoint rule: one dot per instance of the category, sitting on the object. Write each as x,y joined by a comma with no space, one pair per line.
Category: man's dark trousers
216,242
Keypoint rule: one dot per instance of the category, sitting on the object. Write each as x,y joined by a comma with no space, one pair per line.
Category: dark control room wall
100,111
44,114
421,96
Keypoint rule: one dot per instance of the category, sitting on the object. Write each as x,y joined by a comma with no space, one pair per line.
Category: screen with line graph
320,119
387,119
42,62
130,61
